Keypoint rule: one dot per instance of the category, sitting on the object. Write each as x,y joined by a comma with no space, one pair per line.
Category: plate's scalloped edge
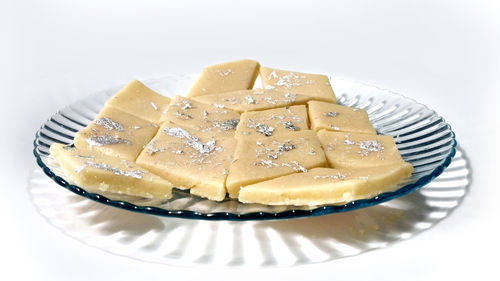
185,214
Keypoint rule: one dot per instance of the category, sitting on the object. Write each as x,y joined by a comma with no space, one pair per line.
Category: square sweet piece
212,118
334,117
141,101
225,77
272,122
256,99
116,133
190,159
314,85
98,172
352,150
260,159
326,186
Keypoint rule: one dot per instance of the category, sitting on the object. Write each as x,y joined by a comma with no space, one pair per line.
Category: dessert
225,77
255,99
99,172
353,150
190,159
334,117
141,101
321,186
272,122
212,118
116,133
259,159
313,85
286,144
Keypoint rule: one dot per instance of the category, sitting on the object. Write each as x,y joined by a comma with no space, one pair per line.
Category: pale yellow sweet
141,101
269,157
353,150
225,77
272,122
116,133
208,118
190,159
255,99
316,86
326,186
98,172
334,117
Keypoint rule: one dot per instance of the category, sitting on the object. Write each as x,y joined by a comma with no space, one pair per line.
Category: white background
445,54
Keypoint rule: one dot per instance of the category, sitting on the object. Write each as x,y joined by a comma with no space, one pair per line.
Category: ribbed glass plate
423,138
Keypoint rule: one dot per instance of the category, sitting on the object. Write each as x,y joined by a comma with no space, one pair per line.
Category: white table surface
445,54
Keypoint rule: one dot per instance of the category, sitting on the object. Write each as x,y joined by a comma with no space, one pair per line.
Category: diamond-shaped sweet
334,117
316,86
353,150
141,101
225,77
255,99
259,159
190,159
272,122
116,133
98,172
326,186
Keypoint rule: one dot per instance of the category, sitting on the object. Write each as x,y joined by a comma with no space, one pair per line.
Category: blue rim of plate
289,214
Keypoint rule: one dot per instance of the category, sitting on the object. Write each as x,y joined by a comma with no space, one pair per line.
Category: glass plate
423,138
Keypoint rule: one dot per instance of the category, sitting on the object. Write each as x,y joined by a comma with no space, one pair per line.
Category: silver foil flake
266,163
151,149
296,166
331,114
265,130
363,178
218,105
191,141
288,81
349,142
290,97
226,125
136,127
368,146
108,124
178,152
136,174
335,128
337,176
106,140
182,115
154,106
269,100
224,72
290,126
187,105
272,75
250,100
269,87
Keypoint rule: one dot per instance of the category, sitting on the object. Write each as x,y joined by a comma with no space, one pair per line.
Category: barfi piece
256,99
334,117
326,186
207,118
99,172
260,159
225,77
352,150
141,101
116,133
272,122
315,85
190,159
